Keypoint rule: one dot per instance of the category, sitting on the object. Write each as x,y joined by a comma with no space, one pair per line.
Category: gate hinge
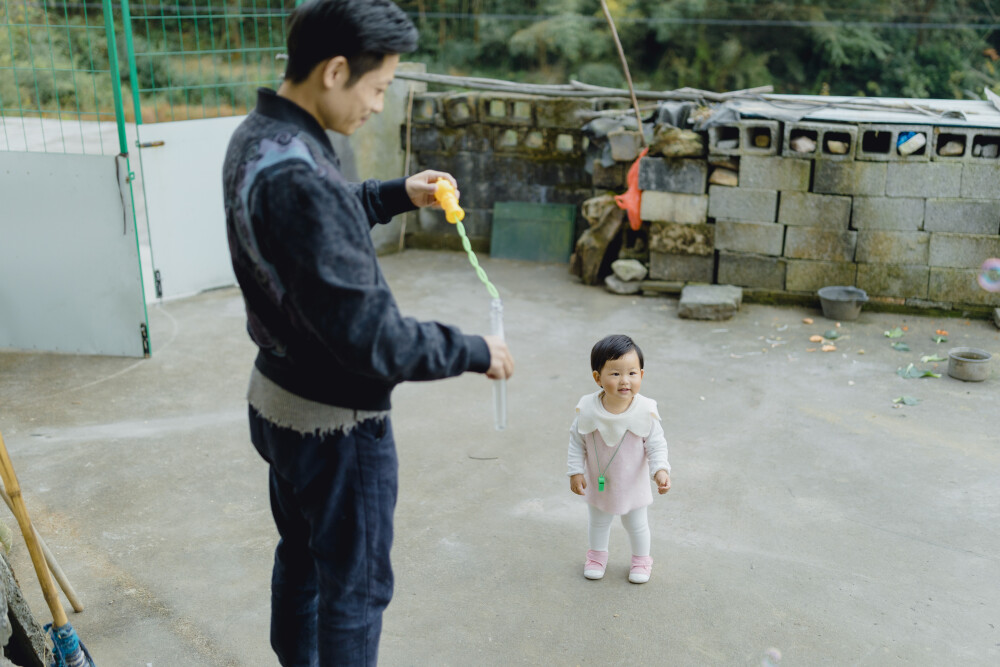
158,283
144,333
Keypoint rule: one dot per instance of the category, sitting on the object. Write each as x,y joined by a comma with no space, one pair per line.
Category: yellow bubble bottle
446,196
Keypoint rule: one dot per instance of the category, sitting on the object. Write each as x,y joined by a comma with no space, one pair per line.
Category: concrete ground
809,514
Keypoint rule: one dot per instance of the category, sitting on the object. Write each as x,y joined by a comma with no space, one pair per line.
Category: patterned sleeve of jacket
333,288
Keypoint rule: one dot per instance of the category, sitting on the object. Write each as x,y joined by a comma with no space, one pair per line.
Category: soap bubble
989,275
771,658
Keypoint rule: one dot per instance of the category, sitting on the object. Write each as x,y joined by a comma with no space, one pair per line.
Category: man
332,343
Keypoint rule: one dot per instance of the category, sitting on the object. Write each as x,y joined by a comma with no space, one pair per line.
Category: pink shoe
597,561
642,566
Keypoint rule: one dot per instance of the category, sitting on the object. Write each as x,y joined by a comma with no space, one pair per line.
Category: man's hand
420,187
577,483
662,481
501,361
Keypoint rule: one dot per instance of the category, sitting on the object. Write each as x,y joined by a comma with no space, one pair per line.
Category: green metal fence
202,60
57,92
65,66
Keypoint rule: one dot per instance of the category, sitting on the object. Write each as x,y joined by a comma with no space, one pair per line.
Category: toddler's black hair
363,31
613,347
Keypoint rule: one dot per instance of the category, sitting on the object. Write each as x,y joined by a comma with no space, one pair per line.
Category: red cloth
631,200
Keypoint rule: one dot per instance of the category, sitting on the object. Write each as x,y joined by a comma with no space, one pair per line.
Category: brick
832,245
980,181
775,173
426,107
507,109
748,270
625,145
460,108
682,239
561,112
761,238
877,142
962,251
613,177
932,179
478,222
673,207
751,130
742,204
849,178
808,209
678,175
472,138
967,216
887,213
804,275
820,133
686,268
959,286
878,247
947,135
896,280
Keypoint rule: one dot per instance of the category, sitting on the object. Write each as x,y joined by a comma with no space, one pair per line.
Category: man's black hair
363,31
613,347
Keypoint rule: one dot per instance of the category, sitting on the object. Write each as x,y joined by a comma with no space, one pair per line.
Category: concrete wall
761,209
501,147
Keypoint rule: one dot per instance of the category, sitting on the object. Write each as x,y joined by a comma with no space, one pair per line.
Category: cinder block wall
500,147
911,230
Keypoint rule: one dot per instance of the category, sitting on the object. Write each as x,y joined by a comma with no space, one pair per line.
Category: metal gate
70,277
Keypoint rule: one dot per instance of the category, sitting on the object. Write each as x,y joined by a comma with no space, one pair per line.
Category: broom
68,650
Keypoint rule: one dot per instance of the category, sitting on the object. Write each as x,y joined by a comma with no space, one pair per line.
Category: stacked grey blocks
909,229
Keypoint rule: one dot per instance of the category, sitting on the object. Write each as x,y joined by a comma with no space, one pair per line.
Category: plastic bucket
969,364
842,302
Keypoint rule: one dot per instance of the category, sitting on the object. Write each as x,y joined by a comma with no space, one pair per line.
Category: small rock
803,144
670,141
836,147
727,144
762,140
709,302
629,270
625,145
618,286
724,161
910,142
722,176
990,150
951,149
977,150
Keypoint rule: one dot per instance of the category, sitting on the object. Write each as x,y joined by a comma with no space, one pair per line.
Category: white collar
638,418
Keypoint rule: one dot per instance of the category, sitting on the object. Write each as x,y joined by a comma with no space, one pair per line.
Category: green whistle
600,483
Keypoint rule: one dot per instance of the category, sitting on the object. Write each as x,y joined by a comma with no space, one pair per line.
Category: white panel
184,205
69,265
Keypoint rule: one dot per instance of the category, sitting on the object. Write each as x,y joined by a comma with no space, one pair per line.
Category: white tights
636,525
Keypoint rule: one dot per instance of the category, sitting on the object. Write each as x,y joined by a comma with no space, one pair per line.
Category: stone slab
878,247
673,207
962,251
897,280
850,178
968,216
709,302
809,209
980,181
686,268
803,275
749,270
887,213
761,238
686,176
775,173
831,245
742,204
929,179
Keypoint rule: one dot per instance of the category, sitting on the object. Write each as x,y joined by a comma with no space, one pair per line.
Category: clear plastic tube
499,386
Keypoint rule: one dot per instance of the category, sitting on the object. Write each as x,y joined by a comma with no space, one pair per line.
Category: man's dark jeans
333,499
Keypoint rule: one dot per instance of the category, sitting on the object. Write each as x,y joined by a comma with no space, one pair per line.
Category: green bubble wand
447,197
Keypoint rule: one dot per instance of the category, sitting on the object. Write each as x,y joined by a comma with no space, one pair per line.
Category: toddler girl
615,437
